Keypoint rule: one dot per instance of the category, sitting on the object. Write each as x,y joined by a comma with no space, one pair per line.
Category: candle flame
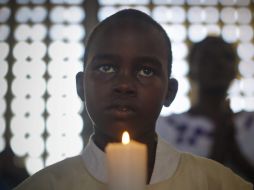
125,138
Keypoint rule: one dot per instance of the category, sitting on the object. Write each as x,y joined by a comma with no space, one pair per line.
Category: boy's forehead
129,35
122,24
124,28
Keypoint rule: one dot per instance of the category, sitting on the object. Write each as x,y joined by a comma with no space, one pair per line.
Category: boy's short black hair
133,15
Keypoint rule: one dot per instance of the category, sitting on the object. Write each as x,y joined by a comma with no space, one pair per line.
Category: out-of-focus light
36,50
74,1
22,32
161,14
248,86
27,108
178,15
227,2
67,104
245,51
105,12
245,33
230,33
3,105
165,2
22,126
18,145
68,69
36,14
4,32
70,124
211,15
2,128
53,157
184,86
179,50
228,15
2,143
243,2
71,32
56,14
195,15
22,14
60,147
33,164
60,50
176,32
210,2
236,103
234,89
35,145
197,32
124,2
246,68
2,131
249,103
72,14
19,52
4,86
26,137
180,68
32,1
213,29
61,87
29,70
36,32
244,15
5,14
4,50
194,2
22,87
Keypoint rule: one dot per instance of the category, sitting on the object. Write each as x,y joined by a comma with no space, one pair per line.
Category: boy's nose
125,85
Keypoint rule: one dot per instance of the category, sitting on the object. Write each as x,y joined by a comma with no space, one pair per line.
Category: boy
125,83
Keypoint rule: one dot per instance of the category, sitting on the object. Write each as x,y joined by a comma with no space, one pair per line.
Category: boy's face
126,80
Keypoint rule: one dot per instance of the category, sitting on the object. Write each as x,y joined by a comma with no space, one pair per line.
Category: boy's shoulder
68,164
60,172
211,172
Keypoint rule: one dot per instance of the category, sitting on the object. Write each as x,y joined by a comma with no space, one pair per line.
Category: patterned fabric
195,134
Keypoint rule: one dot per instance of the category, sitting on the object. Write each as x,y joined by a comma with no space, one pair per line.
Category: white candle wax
127,165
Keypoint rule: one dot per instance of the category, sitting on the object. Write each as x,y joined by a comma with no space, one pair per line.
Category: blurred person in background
210,128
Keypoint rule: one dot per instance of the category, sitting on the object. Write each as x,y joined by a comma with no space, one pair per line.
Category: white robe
172,170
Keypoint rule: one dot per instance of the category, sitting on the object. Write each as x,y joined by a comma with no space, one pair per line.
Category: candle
127,162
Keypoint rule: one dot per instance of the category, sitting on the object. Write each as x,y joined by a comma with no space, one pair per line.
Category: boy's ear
172,90
79,85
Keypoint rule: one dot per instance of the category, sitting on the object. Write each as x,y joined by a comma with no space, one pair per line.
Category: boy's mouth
121,110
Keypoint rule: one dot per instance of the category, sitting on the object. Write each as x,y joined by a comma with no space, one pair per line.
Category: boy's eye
146,72
107,69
